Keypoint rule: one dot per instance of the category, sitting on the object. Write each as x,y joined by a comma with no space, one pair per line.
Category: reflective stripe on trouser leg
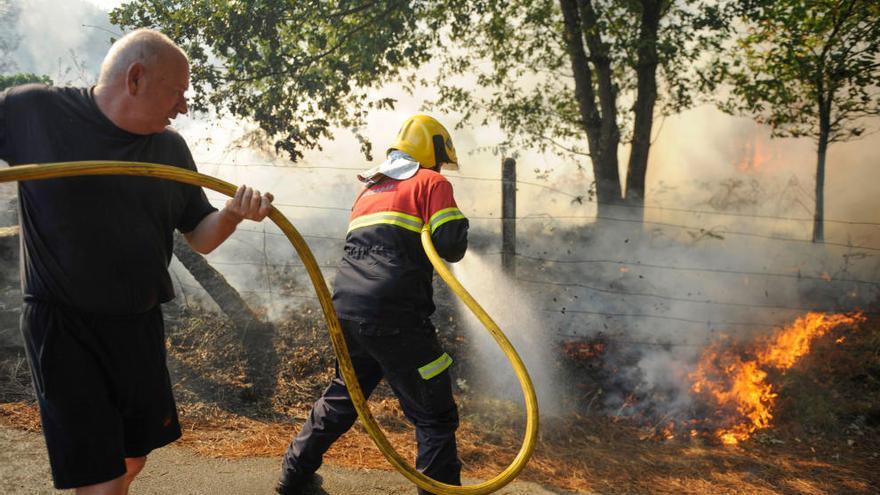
436,366
427,401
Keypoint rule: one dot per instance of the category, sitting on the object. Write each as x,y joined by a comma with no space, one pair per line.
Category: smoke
704,144
658,295
64,39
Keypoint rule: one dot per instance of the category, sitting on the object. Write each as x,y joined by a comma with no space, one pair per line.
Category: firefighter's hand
249,203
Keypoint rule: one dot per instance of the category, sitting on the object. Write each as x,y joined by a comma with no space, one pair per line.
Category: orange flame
737,387
755,156
669,431
583,351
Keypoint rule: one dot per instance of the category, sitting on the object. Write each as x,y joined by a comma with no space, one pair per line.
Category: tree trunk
600,127
508,217
256,336
10,289
606,162
819,215
646,97
608,196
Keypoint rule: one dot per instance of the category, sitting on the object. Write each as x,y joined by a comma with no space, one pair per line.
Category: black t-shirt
98,244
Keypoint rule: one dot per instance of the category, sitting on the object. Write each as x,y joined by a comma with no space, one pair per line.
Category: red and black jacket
384,276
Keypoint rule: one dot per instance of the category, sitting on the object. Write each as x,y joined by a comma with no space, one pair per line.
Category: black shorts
103,389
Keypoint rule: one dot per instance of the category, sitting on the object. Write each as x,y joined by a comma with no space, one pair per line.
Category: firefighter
384,299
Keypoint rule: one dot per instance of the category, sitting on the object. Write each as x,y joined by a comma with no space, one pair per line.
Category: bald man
95,254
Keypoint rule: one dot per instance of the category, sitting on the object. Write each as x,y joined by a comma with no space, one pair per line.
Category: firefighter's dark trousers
395,354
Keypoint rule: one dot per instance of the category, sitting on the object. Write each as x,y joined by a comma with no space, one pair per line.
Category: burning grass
735,388
735,381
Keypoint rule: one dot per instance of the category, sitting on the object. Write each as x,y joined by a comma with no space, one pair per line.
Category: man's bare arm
215,228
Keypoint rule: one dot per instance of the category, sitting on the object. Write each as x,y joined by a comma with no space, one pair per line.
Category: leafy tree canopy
22,78
528,82
808,67
298,67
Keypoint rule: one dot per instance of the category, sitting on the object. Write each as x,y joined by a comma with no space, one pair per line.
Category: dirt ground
24,470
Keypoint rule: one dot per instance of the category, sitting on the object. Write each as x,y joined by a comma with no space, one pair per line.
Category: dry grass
15,378
22,415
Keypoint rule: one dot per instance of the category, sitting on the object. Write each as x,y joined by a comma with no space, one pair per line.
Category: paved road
24,470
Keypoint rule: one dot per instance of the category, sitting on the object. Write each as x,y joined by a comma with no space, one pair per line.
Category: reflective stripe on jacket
384,275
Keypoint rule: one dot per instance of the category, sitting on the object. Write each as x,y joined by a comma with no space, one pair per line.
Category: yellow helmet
426,140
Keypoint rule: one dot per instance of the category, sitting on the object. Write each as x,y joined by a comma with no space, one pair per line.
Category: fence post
508,216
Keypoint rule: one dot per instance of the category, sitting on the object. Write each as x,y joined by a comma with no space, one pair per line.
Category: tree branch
599,55
583,77
572,150
307,62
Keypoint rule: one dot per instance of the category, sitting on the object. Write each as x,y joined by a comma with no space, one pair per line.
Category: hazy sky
105,4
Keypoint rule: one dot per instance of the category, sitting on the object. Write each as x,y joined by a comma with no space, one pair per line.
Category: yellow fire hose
67,169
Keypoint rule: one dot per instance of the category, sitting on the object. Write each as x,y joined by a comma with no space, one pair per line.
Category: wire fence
713,232
579,288
647,206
